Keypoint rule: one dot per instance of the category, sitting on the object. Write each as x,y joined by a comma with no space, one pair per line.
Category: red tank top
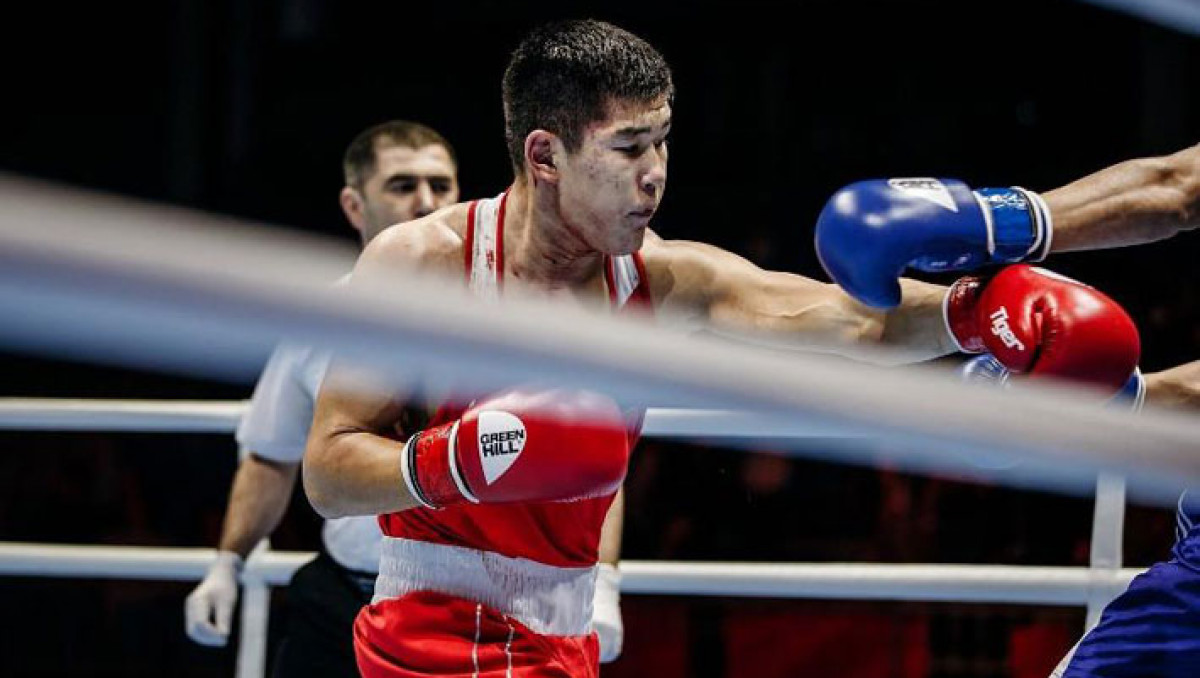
563,534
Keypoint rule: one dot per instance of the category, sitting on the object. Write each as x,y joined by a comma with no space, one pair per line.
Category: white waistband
555,601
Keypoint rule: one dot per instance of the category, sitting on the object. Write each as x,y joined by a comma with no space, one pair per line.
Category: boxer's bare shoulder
675,272
694,275
433,242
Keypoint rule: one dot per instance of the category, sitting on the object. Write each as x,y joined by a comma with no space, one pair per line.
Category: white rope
194,416
75,414
841,581
135,562
875,581
118,281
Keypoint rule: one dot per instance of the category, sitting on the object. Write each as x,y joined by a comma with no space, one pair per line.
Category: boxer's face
407,184
611,187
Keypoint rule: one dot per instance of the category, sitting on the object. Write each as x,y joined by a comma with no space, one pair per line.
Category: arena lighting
1179,15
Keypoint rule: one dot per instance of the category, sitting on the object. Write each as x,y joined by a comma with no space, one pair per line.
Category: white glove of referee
606,612
208,611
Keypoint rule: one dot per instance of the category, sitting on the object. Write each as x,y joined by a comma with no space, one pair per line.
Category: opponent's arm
1175,387
1131,203
869,232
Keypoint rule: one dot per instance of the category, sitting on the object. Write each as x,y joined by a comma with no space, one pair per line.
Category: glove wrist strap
958,312
430,471
1019,224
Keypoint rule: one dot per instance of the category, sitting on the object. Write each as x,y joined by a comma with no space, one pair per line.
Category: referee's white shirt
276,428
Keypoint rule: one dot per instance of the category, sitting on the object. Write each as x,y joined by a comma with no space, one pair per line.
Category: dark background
245,108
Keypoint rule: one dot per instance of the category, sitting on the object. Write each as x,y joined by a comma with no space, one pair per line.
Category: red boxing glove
1041,323
520,446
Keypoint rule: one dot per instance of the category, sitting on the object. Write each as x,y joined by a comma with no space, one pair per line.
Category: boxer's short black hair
563,75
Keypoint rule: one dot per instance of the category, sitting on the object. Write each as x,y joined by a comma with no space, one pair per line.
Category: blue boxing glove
985,369
870,231
1133,394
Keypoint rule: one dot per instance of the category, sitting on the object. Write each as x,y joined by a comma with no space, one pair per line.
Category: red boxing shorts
432,634
442,610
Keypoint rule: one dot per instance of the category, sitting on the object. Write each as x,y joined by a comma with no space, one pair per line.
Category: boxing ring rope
1009,584
112,280
196,416
1092,586
66,414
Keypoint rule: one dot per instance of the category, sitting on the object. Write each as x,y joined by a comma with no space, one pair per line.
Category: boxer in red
491,510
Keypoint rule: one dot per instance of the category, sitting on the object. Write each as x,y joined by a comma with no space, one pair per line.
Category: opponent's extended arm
1131,203
1178,386
869,232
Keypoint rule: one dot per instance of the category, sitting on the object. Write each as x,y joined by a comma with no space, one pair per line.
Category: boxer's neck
543,249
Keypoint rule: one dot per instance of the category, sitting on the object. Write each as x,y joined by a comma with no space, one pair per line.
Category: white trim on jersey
484,275
485,278
550,600
626,278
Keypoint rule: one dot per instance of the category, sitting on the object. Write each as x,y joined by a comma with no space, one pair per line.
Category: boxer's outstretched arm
737,297
1133,202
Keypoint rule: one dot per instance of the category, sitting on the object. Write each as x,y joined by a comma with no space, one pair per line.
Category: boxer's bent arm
735,295
1131,203
351,464
1175,387
352,460
261,491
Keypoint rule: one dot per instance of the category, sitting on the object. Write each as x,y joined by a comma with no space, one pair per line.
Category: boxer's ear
540,148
